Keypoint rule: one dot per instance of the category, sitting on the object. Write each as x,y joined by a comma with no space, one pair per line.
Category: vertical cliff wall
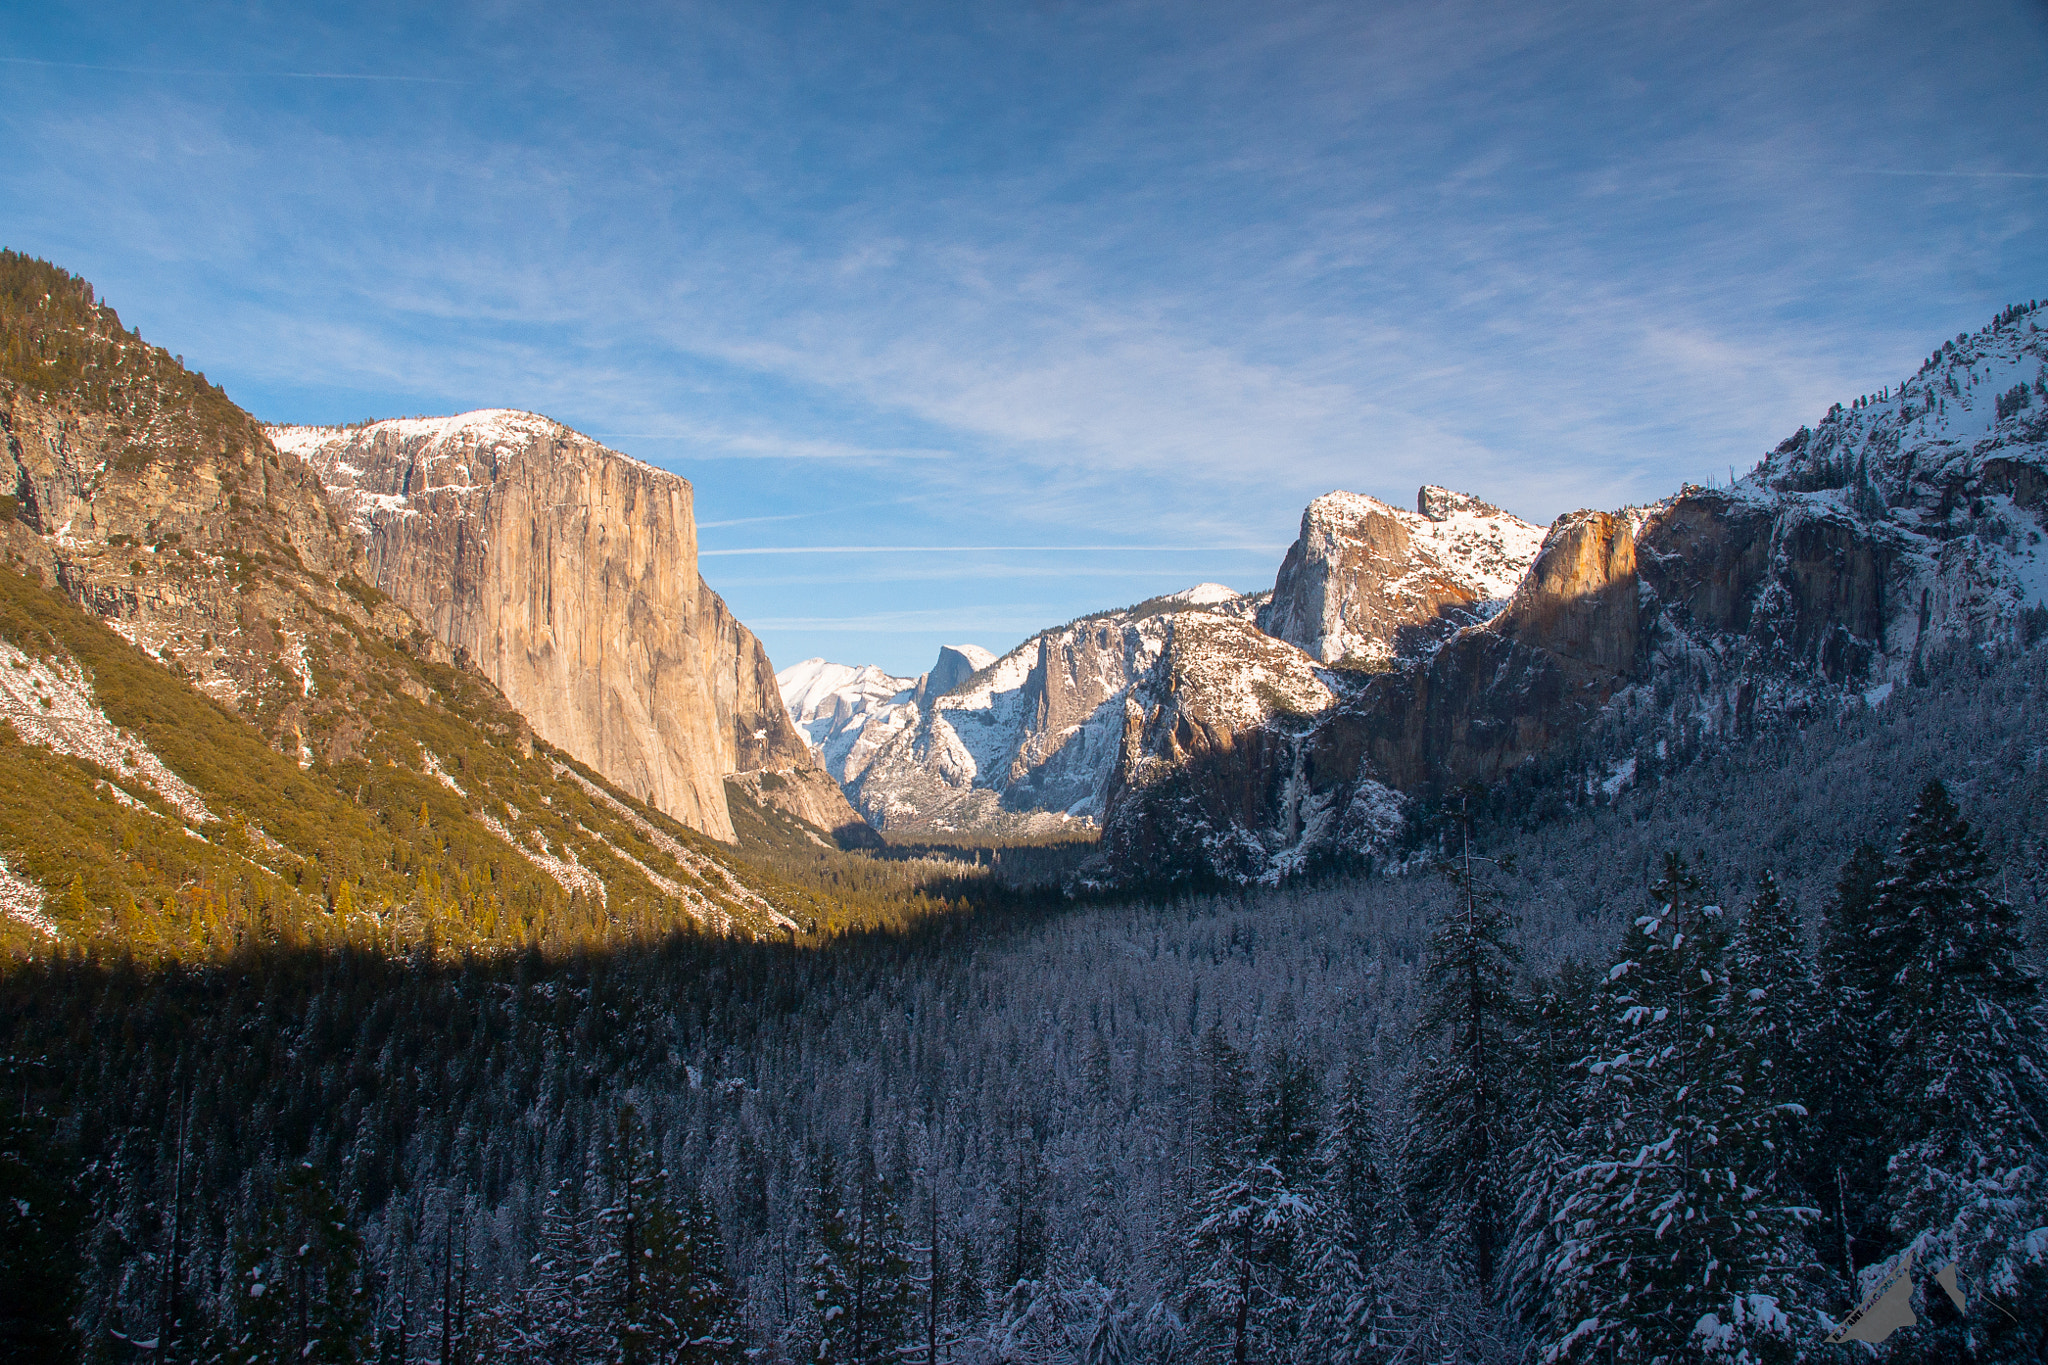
567,574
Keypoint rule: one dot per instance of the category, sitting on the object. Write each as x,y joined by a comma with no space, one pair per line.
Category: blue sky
1080,301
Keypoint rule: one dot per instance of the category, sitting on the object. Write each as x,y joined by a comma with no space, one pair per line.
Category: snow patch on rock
21,900
50,702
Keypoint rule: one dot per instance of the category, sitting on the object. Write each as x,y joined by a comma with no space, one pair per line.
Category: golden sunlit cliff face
566,573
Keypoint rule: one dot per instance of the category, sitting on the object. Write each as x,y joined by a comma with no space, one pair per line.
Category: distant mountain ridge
1049,734
1402,653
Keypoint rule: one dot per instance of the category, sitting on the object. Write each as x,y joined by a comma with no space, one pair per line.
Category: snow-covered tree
1777,1026
298,1295
559,1313
1964,1082
1462,1131
1252,1232
1846,1159
1670,1245
698,1291
860,1290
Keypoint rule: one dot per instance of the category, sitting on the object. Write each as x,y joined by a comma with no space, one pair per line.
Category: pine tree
297,1281
1359,1228
1669,1249
1964,1084
558,1315
650,1249
42,1216
1562,1030
1847,1157
703,1302
826,1329
1461,1133
1250,1239
1221,1232
1777,1026
879,1292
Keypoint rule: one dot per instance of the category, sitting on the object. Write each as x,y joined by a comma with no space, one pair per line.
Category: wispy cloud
235,75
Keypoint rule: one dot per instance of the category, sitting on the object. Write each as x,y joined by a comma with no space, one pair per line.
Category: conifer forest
1588,1087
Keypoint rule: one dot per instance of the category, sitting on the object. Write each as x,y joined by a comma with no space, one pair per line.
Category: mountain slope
846,713
1028,744
218,734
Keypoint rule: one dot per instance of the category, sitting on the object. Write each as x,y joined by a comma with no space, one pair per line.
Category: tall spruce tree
698,1291
1846,1159
1668,1248
42,1215
1462,1132
1360,1227
882,1298
647,1261
558,1315
298,1281
1964,1086
1777,1026
1561,1032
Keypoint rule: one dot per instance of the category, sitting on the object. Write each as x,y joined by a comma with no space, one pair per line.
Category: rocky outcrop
161,508
955,665
1366,583
566,573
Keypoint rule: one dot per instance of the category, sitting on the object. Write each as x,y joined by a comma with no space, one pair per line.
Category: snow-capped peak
1203,595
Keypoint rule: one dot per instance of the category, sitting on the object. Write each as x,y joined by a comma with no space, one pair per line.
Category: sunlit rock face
1367,582
567,574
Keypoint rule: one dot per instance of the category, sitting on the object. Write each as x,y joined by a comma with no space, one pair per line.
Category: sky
966,319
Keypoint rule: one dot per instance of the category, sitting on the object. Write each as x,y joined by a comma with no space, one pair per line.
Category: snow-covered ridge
1033,738
847,712
1367,582
1476,543
446,456
485,426
1954,460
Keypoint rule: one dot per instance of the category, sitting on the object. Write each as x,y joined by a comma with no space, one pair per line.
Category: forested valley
1673,1075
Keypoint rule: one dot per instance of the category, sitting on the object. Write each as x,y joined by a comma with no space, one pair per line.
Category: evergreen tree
558,1315
1669,1248
1562,1031
703,1302
1846,1169
649,1249
297,1281
1251,1238
1777,1026
876,1272
1964,1083
1360,1227
1021,1202
1461,1132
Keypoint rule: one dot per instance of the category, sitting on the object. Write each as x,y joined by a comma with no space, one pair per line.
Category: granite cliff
1366,583
566,573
